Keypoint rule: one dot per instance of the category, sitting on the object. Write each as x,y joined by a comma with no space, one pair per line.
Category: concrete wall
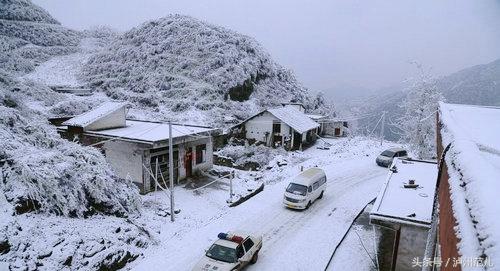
125,159
208,160
412,241
257,127
128,158
113,120
399,244
329,128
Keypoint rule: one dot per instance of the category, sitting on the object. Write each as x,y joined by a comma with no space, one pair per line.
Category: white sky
328,43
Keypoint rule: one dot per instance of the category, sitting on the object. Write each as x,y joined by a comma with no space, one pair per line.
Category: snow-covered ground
64,70
298,240
358,247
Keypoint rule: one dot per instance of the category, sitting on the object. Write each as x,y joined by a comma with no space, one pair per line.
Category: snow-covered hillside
48,184
30,36
479,85
24,10
184,67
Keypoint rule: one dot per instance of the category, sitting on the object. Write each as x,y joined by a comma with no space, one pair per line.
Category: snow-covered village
249,135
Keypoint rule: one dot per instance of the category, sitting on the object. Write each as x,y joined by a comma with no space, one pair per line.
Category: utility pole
231,187
171,171
382,128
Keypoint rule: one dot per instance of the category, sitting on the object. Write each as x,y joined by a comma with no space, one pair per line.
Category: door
248,245
188,162
337,131
297,139
316,189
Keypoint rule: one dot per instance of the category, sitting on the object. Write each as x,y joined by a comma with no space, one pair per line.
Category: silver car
386,157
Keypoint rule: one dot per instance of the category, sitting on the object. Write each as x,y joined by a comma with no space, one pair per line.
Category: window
201,153
277,127
248,244
239,252
388,154
323,181
310,189
222,253
315,185
402,154
296,189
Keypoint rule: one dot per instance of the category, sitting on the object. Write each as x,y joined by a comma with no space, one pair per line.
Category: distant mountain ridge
478,85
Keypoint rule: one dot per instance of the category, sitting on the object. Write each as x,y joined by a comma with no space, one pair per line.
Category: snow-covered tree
321,105
417,124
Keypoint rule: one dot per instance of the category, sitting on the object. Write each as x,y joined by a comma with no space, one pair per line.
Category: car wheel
255,257
308,205
321,195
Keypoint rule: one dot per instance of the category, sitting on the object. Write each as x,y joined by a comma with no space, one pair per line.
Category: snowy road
298,240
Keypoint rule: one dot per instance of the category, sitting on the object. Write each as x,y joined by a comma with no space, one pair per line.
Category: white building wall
113,120
297,106
257,127
125,159
329,128
208,156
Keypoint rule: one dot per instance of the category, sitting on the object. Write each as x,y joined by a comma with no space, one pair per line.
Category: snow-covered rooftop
474,173
89,117
299,121
153,131
315,117
396,203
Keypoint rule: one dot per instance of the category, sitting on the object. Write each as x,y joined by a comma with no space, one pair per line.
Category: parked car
386,157
231,251
304,189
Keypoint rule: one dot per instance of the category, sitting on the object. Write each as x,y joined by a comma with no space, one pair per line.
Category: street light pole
382,128
171,171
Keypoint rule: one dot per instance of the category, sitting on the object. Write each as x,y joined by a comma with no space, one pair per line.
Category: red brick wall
447,238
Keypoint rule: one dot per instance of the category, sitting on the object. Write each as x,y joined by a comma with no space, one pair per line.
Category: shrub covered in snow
24,10
180,64
40,171
29,36
254,154
41,242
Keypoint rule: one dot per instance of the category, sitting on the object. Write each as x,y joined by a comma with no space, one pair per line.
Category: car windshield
388,154
222,253
296,189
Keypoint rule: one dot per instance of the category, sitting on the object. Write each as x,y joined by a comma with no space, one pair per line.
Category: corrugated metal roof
153,131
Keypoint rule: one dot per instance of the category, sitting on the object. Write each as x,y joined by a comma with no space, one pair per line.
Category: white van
302,191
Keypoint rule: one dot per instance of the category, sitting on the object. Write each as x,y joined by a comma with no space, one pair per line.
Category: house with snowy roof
403,214
286,126
333,127
468,142
138,149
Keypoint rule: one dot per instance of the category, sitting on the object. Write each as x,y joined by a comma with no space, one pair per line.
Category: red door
188,162
337,131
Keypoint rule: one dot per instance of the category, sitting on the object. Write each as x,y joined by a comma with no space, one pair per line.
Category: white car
232,251
304,189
